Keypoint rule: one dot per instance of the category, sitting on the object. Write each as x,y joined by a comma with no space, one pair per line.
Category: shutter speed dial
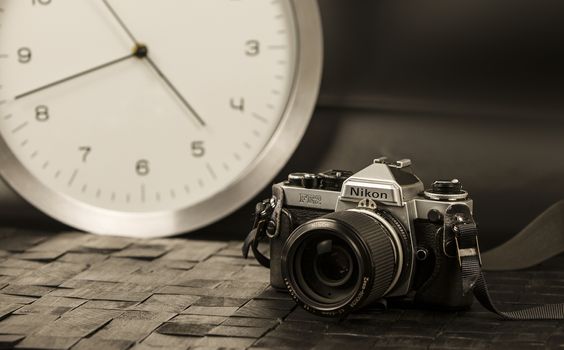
331,180
449,190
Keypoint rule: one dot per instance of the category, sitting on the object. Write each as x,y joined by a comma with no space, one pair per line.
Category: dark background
468,89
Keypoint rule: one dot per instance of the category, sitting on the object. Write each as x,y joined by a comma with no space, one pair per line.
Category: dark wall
481,56
468,89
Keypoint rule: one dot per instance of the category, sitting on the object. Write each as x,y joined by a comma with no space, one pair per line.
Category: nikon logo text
367,193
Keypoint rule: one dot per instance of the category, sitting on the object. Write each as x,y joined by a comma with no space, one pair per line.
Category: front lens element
333,266
325,267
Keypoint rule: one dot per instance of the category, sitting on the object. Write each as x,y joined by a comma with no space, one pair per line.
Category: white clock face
143,106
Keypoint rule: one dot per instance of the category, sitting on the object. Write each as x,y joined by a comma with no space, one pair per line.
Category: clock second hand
152,63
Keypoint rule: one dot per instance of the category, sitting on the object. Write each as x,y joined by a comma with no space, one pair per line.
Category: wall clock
150,118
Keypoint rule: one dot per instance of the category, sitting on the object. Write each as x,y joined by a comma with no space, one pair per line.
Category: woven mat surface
79,291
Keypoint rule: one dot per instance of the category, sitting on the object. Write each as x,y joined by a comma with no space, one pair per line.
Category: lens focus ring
380,248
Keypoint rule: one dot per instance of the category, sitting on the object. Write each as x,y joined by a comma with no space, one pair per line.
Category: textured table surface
79,291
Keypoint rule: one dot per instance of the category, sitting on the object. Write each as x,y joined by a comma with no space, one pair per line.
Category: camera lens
333,267
325,267
342,261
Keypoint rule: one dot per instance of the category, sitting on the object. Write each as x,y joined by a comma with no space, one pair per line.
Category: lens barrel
342,261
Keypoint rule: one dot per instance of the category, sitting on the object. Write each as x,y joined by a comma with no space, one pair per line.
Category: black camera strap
473,278
266,224
263,211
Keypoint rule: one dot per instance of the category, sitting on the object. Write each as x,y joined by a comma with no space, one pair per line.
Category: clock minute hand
175,91
77,75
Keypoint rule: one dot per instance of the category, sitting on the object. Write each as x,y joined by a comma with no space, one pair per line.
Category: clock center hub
140,51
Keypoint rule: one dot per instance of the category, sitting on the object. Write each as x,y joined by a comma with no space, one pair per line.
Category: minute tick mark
19,127
211,171
259,117
73,177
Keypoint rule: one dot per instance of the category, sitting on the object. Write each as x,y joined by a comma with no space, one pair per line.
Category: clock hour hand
77,75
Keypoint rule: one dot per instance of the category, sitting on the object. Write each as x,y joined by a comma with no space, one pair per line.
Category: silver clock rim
268,163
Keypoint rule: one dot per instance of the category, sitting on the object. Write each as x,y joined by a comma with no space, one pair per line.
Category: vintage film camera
340,241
